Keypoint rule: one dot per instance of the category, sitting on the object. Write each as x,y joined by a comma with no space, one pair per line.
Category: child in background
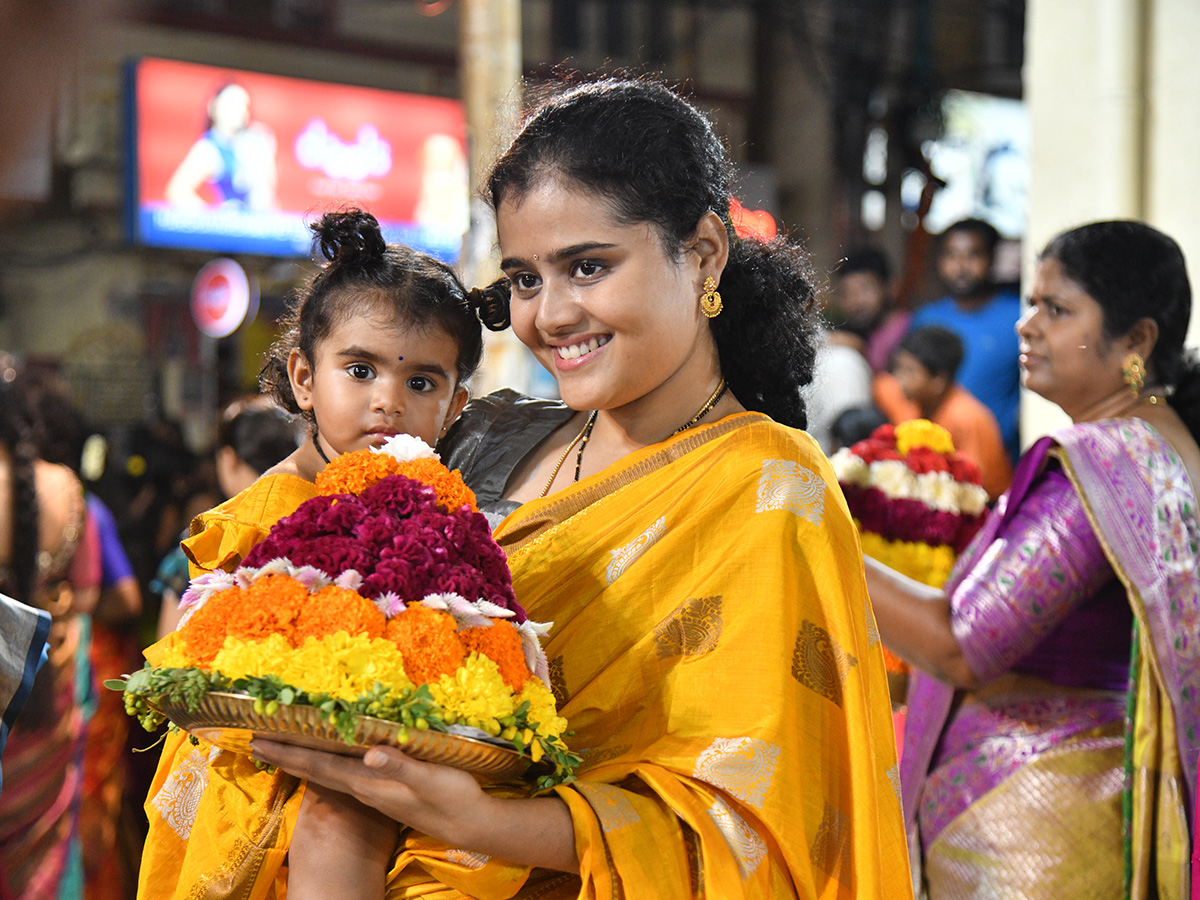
924,365
253,435
380,342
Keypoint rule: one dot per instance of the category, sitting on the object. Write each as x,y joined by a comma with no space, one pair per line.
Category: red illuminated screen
231,160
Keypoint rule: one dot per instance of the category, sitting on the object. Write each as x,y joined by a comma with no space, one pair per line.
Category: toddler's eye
360,371
420,383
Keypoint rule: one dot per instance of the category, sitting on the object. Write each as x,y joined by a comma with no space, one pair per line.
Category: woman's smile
579,352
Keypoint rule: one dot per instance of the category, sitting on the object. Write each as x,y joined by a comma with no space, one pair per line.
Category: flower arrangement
917,502
384,595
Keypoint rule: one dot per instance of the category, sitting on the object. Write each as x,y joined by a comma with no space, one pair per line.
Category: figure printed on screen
444,199
232,163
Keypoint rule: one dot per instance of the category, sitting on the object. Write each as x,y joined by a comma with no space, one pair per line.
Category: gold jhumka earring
710,300
1133,370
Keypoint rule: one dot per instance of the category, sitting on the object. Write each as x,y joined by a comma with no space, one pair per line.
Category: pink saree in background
1025,788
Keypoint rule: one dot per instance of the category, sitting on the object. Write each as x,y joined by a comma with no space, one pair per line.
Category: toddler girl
380,342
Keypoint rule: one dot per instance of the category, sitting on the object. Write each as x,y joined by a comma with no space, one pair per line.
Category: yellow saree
715,653
219,826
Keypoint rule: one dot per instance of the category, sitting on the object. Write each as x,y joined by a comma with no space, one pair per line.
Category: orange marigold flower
893,663
269,606
429,642
452,491
353,473
501,643
334,609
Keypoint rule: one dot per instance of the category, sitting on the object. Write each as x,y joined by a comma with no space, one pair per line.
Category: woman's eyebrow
514,262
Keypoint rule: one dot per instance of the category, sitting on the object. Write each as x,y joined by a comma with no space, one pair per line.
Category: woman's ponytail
766,336
1185,399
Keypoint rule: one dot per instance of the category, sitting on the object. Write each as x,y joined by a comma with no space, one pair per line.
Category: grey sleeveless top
492,437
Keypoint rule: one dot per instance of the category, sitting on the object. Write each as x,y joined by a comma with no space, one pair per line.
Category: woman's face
602,305
230,109
1065,355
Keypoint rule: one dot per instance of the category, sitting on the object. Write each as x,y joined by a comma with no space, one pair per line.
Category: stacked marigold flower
386,583
917,502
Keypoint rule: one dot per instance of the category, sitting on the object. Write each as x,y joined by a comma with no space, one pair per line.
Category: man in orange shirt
924,366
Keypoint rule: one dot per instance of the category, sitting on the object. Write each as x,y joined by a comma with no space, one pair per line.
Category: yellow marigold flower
541,708
922,433
476,691
341,665
920,561
173,655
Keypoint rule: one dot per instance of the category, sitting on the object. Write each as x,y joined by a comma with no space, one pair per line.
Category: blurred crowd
106,563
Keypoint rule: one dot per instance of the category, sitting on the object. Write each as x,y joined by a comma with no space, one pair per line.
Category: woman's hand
440,801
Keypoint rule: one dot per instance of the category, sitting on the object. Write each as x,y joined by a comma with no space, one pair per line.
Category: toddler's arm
340,850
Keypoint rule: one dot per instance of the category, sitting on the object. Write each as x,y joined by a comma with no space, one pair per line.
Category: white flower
406,448
488,608
441,602
894,478
349,580
849,467
466,614
390,604
531,644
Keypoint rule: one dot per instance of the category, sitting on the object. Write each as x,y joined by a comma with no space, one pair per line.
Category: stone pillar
490,63
1116,129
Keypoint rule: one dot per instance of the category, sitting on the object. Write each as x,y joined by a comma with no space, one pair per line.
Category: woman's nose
1023,323
556,308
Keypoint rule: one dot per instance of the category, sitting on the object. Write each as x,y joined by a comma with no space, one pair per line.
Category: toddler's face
374,377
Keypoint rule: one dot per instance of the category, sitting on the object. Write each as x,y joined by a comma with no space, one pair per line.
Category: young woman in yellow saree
713,647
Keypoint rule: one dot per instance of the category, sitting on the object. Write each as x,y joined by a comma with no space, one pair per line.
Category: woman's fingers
432,798
330,769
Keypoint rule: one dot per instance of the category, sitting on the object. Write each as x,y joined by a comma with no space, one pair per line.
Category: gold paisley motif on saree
742,766
624,557
830,850
612,807
819,663
468,859
692,629
747,844
788,485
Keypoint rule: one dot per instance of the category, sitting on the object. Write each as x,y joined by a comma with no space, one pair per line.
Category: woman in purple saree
1051,741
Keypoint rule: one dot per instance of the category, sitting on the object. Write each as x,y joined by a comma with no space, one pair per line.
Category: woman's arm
443,802
1043,563
914,622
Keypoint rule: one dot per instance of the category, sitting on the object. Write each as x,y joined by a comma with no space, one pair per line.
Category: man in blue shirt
983,317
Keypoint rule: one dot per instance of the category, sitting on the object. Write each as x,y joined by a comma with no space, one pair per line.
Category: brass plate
230,722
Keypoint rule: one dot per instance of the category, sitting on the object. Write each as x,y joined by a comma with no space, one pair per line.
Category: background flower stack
917,503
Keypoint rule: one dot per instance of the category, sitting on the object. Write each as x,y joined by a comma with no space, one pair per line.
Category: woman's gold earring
1133,370
710,300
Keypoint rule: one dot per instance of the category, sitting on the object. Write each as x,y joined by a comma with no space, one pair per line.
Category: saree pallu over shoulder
1144,510
715,653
